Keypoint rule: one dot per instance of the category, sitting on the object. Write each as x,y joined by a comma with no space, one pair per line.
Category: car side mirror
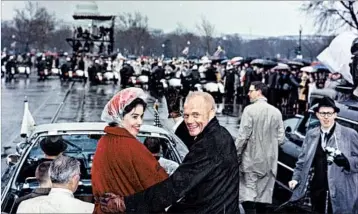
12,159
288,129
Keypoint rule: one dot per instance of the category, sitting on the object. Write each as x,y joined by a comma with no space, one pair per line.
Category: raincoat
343,185
260,134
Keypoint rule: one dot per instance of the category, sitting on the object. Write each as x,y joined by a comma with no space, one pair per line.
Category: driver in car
52,146
153,145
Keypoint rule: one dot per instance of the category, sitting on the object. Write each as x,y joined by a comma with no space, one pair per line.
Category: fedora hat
326,102
53,145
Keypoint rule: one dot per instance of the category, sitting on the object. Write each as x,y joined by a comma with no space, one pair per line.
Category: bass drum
174,82
211,87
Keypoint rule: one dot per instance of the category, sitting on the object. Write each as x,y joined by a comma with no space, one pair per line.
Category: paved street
83,104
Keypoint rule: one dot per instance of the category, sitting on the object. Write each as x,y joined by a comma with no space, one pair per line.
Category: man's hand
292,184
341,161
111,203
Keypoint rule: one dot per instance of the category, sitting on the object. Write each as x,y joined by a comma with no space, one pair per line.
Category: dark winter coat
206,182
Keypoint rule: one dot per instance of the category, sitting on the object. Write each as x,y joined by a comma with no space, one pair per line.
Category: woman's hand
111,203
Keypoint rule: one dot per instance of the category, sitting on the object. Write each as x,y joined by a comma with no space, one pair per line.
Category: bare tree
7,30
207,30
57,38
133,31
332,15
33,25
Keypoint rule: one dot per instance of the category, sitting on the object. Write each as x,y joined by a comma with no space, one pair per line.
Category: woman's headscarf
113,111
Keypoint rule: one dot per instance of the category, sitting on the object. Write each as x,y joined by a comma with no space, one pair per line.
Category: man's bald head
203,97
199,109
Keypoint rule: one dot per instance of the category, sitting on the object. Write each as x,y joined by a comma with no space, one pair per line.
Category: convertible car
81,139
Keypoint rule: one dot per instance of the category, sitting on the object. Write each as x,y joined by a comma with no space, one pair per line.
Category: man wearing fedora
331,150
52,147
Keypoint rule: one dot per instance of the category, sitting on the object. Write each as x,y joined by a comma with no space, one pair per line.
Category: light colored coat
58,201
343,185
260,134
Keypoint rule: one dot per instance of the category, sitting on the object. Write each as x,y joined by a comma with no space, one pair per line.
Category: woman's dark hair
130,107
133,104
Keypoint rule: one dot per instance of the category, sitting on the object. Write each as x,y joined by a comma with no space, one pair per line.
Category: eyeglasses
324,114
251,91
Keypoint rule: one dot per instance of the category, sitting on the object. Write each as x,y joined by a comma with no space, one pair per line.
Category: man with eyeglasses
331,150
260,134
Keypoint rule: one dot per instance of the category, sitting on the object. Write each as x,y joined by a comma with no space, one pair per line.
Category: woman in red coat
122,165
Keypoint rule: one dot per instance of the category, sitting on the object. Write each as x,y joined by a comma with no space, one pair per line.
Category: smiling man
207,180
334,186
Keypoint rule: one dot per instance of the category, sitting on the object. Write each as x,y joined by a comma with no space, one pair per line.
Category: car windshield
75,143
313,122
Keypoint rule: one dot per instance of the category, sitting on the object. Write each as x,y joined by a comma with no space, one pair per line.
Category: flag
218,51
28,122
185,51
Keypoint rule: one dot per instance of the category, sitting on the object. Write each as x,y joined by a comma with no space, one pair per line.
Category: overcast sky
275,18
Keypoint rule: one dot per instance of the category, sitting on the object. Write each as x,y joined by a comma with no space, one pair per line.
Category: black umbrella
215,60
263,63
295,63
304,61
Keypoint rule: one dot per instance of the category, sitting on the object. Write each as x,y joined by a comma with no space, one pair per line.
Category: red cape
123,166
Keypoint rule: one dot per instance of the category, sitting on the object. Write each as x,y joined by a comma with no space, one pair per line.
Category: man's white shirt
169,165
58,201
323,132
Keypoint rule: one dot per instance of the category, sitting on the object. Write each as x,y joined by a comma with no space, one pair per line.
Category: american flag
218,51
185,51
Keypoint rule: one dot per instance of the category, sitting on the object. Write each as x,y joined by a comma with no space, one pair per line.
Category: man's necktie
325,139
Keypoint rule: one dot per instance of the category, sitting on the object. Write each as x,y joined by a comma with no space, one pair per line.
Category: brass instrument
302,95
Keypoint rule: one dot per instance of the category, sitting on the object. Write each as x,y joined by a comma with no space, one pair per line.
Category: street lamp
163,46
300,41
188,43
13,44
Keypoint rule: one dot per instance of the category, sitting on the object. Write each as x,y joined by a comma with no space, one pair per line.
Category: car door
8,196
288,154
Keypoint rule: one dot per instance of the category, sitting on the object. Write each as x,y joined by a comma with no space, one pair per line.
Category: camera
331,154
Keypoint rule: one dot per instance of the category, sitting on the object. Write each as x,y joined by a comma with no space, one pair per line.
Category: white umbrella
120,56
308,69
237,58
205,60
281,66
337,56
